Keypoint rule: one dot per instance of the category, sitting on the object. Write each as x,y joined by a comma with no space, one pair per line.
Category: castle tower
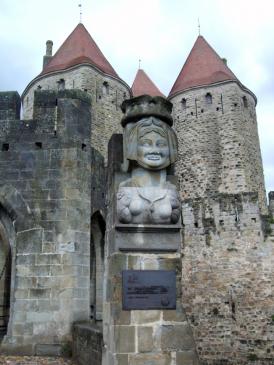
143,85
80,64
215,120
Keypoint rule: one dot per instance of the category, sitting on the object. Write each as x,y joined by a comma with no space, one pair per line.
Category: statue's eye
162,143
145,142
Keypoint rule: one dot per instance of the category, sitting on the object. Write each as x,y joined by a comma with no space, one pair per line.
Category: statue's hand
123,212
125,216
123,198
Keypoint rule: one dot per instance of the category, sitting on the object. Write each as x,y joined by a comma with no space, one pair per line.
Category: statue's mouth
154,156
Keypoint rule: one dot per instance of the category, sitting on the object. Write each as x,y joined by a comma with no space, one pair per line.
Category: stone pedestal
148,336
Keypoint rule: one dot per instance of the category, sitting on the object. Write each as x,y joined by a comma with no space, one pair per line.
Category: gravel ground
34,360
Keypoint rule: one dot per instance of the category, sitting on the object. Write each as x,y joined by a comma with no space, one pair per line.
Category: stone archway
97,252
16,223
5,280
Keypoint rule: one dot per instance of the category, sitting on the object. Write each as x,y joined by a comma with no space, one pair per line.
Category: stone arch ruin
5,280
97,252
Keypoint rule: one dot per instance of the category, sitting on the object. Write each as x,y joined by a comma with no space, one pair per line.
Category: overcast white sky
160,32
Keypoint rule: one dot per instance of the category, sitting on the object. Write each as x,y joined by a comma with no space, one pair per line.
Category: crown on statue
145,106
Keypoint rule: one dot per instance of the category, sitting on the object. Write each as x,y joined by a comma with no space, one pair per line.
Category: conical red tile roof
142,85
202,67
79,48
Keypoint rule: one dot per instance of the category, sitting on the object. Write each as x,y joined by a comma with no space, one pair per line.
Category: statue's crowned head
148,137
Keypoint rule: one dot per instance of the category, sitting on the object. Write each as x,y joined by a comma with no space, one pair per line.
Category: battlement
10,105
47,98
223,213
60,118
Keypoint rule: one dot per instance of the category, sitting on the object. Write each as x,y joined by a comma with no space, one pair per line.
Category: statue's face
153,151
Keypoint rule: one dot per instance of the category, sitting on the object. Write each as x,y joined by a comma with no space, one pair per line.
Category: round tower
215,120
80,64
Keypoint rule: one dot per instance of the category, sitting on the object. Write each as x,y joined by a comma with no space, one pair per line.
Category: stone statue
150,146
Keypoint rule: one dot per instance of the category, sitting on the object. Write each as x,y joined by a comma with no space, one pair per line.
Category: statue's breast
149,205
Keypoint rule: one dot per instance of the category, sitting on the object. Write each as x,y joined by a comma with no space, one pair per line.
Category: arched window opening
105,88
184,104
245,101
208,98
5,282
61,84
97,252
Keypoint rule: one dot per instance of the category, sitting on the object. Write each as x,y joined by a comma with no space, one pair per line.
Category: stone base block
48,349
87,343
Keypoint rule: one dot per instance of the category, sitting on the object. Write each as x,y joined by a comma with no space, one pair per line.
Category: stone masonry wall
219,147
107,94
228,278
50,169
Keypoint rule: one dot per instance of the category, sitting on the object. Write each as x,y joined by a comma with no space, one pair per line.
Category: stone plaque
149,289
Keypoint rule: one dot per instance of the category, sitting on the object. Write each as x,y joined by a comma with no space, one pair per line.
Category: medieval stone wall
228,278
219,147
50,170
107,94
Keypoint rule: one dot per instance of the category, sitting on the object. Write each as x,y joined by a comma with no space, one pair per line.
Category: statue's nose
154,147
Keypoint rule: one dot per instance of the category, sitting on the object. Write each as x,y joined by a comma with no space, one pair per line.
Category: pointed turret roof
79,48
202,67
143,85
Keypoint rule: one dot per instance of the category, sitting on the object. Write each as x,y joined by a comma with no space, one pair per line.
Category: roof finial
140,64
199,27
80,8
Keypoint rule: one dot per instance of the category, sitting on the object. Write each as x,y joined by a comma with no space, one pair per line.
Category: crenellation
106,113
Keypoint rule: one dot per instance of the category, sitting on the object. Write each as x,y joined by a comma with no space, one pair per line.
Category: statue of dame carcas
150,146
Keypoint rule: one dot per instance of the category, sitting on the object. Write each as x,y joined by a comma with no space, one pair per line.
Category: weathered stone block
145,339
177,315
87,343
39,293
121,359
145,317
48,350
186,358
176,337
150,359
124,337
30,241
117,263
118,315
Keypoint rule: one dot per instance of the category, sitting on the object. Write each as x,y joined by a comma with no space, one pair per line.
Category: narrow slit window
208,98
184,104
105,88
245,101
61,84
